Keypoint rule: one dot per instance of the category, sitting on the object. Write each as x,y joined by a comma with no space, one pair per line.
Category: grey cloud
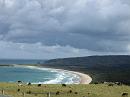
37,50
95,25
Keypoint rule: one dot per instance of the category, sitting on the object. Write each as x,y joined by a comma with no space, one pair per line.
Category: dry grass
92,90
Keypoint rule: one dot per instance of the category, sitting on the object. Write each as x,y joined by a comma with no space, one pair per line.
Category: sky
46,29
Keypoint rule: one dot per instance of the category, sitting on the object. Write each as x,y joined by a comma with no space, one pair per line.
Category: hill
112,68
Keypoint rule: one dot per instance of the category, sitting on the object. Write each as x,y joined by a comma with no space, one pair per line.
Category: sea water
37,75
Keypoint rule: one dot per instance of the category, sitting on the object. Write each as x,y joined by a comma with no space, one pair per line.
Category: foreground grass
92,90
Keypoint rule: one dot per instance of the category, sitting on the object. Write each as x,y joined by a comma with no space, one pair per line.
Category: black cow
124,94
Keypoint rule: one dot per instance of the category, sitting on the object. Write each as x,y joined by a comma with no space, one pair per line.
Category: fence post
49,94
3,92
23,94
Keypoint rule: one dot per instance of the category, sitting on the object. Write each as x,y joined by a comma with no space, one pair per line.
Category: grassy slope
99,90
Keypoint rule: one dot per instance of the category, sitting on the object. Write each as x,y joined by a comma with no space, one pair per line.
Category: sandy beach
85,79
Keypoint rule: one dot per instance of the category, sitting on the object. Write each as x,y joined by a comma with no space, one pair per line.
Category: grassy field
92,90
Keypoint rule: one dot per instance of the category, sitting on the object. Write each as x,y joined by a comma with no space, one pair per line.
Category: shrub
96,83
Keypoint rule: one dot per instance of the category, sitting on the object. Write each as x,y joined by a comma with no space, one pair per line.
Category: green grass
92,90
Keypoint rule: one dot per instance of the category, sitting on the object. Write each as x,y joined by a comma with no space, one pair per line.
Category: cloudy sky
42,29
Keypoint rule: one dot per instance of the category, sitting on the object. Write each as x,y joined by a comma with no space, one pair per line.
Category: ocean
35,75
20,61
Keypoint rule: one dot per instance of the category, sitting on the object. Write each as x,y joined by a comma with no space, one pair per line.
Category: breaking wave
59,77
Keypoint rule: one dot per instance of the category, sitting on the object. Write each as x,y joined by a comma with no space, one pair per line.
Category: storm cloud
89,26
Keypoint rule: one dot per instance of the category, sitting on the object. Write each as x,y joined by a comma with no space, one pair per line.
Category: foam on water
62,76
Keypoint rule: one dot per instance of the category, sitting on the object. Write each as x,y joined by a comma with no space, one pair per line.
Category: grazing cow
76,92
19,81
70,91
39,85
28,92
111,84
124,94
64,85
57,93
18,90
29,84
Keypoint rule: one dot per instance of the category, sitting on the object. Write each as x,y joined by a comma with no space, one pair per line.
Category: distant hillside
101,68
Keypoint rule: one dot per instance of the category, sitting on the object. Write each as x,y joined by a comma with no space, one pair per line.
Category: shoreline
84,78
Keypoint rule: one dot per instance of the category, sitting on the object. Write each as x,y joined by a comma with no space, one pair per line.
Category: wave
61,77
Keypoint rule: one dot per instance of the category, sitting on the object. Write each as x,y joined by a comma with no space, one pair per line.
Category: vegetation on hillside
113,68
